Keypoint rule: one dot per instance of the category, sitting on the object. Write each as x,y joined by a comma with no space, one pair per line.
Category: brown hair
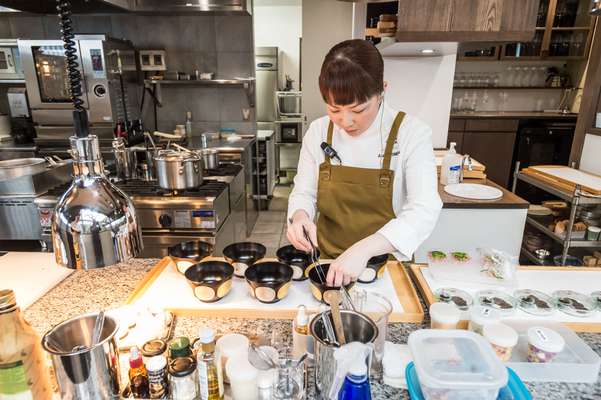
353,71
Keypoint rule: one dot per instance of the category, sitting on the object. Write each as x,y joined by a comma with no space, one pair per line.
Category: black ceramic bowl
374,269
318,285
269,281
185,254
298,260
210,280
242,255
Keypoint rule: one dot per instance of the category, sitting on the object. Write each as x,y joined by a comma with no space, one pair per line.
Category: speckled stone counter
109,287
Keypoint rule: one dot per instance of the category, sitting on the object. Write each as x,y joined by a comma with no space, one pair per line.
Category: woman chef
379,193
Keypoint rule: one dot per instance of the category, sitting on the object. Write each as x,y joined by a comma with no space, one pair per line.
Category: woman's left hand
350,264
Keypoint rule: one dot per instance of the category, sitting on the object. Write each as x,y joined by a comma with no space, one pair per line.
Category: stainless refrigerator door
267,85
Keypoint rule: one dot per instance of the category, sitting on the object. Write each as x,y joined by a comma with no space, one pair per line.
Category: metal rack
575,198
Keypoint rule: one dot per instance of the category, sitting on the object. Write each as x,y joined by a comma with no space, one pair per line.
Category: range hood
155,7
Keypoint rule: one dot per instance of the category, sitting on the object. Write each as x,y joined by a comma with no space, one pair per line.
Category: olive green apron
353,203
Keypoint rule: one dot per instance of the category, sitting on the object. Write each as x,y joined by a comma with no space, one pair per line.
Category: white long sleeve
416,202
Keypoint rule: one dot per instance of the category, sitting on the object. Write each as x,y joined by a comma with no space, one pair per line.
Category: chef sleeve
422,204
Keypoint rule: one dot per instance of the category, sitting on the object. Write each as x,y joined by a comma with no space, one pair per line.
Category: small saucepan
242,255
186,254
374,270
210,280
269,281
298,260
318,285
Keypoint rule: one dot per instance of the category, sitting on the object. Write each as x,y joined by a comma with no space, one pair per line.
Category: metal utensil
98,325
332,297
347,302
263,357
314,257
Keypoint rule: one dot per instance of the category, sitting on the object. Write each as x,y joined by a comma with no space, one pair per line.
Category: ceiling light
427,51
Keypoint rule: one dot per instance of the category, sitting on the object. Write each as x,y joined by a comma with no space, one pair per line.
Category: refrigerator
266,70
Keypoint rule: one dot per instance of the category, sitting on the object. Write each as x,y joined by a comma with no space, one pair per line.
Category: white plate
473,191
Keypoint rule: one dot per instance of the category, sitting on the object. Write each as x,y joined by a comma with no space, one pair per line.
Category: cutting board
544,279
30,275
168,289
569,177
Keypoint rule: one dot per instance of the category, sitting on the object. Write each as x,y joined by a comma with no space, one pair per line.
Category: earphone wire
381,155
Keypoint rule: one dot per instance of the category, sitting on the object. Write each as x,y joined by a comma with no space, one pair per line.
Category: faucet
466,159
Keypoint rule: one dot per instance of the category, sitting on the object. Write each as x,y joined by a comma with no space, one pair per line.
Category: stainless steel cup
357,328
210,158
84,371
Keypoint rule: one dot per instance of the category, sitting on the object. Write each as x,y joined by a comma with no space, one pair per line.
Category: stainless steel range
168,217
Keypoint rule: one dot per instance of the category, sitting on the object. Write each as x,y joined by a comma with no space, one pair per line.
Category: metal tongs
314,258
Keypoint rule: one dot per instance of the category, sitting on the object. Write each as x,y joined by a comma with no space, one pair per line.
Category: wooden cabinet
466,20
490,141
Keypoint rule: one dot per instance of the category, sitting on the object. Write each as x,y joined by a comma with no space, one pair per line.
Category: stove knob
165,220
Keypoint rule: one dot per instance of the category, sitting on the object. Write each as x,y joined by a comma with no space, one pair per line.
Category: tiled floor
270,228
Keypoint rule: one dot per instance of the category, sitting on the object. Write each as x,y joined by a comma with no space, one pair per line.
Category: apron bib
353,203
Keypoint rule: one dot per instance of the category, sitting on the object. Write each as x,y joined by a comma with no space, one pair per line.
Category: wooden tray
406,296
583,326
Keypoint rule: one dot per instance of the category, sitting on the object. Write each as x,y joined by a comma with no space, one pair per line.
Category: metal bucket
357,328
89,373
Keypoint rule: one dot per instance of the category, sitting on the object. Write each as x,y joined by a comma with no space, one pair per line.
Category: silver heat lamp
94,223
596,7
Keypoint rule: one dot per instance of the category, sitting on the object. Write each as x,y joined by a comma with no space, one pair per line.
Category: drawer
492,125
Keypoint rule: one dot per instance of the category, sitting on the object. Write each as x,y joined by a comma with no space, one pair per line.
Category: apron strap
394,130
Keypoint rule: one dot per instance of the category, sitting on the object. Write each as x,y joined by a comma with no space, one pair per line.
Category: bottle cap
135,359
206,335
358,367
302,319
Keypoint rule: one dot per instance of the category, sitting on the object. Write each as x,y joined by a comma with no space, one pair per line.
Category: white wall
422,86
279,23
589,160
325,23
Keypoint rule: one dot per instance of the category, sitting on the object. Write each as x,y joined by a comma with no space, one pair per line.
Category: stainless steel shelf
532,257
12,81
561,240
200,82
562,194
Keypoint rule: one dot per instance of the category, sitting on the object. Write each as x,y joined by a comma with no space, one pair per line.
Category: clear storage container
456,365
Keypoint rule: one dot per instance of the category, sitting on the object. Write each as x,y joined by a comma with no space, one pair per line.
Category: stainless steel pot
178,170
210,158
92,372
357,328
125,160
17,167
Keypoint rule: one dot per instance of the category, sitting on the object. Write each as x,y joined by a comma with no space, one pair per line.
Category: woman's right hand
299,220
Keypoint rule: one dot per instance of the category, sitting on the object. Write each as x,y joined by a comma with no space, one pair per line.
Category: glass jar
183,383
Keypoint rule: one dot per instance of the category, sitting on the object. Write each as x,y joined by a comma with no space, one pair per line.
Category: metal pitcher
84,371
125,160
357,328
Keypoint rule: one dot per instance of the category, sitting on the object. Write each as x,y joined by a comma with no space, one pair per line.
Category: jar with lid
23,372
179,347
156,365
480,316
183,382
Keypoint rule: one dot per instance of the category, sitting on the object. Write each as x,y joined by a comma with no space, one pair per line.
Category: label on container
541,335
157,383
13,382
454,174
203,380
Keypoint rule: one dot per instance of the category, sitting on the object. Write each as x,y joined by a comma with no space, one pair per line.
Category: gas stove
169,217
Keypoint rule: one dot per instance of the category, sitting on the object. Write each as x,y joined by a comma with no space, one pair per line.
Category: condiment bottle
23,373
302,321
179,347
183,383
356,384
156,365
138,375
301,341
210,379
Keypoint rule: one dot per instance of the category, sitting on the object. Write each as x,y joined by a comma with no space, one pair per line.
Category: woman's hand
350,264
299,220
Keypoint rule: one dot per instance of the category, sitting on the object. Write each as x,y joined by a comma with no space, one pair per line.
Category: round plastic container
230,345
543,344
502,338
444,315
480,316
243,378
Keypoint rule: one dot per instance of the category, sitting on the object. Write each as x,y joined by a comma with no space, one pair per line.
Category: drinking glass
378,308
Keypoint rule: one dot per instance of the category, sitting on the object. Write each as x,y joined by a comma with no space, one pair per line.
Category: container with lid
543,344
230,345
502,338
480,316
456,364
154,347
243,378
179,347
183,379
444,315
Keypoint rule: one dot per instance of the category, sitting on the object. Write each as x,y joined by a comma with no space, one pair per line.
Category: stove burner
224,170
137,187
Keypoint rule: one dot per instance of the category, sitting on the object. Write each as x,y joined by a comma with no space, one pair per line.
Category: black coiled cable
80,116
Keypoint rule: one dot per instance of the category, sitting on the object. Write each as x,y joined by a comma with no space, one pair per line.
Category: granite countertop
508,200
109,287
512,114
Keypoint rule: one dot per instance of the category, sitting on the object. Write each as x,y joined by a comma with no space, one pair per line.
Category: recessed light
427,51
189,4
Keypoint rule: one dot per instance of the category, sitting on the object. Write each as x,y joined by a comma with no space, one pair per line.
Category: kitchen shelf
511,87
573,243
12,81
570,28
246,84
534,258
562,194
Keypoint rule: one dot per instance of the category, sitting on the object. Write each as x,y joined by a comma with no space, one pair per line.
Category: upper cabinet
467,20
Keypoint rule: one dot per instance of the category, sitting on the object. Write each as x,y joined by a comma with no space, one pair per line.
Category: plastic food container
543,344
502,338
444,315
480,316
456,365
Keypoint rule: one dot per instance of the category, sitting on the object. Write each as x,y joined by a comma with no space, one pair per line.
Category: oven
10,62
110,85
289,131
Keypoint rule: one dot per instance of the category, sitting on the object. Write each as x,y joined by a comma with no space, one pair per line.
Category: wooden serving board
165,287
545,279
566,178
